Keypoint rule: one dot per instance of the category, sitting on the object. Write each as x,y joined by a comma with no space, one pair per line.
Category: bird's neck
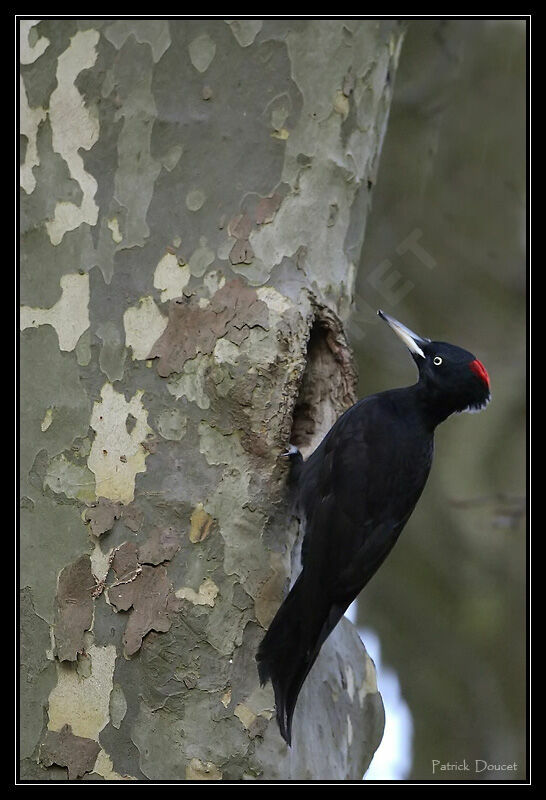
432,406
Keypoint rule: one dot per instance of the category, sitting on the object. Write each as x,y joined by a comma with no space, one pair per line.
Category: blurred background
445,253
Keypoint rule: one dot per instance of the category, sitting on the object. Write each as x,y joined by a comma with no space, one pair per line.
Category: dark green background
449,603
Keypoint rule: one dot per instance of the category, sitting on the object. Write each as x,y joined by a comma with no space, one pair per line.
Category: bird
354,495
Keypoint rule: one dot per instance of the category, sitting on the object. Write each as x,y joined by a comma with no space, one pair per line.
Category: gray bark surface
194,199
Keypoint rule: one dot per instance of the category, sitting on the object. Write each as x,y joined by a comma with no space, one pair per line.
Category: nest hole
327,385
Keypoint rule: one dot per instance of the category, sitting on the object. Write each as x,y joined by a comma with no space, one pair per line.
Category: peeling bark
75,753
74,601
102,515
206,219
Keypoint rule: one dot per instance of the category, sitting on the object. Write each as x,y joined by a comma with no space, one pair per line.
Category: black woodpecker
354,495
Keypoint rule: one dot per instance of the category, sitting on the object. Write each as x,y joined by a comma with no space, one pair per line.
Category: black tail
289,650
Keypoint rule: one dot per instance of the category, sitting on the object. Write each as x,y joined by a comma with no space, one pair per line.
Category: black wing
353,512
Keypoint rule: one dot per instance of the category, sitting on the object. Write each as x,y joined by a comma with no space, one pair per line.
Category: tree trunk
194,197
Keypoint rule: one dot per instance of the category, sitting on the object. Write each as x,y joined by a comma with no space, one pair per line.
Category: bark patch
146,591
232,311
76,753
162,545
200,524
102,515
267,208
198,770
74,608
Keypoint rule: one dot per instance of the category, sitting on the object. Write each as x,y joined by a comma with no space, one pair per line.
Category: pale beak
413,342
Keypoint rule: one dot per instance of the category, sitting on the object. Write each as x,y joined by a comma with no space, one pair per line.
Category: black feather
354,495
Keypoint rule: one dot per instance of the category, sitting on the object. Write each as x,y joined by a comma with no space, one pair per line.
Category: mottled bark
194,198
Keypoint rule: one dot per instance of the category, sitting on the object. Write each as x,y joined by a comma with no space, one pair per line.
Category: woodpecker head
453,378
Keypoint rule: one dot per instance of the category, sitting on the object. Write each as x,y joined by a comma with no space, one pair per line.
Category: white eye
437,361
